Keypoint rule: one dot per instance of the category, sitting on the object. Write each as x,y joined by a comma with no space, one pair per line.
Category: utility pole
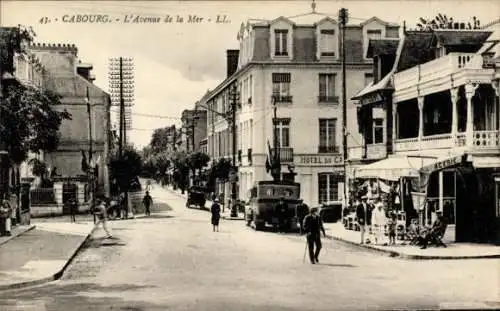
90,169
276,165
343,17
122,111
234,96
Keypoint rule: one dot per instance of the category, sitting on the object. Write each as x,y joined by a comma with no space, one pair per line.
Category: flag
268,165
85,165
269,156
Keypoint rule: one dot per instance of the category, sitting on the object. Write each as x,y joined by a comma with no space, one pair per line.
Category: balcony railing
437,68
486,139
286,154
282,98
328,99
481,140
328,149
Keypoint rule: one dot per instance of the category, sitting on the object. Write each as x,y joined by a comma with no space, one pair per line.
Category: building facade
295,65
441,97
73,81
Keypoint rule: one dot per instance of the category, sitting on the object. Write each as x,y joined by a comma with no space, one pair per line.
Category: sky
176,63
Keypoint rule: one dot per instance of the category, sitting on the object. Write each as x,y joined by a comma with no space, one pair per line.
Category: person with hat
215,211
313,226
301,211
361,214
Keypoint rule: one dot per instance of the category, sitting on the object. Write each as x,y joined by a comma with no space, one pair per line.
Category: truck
264,196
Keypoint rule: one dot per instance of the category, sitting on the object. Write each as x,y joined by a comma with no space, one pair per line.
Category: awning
372,88
407,166
394,167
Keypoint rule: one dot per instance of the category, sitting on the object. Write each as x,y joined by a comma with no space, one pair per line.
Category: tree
197,161
126,169
160,139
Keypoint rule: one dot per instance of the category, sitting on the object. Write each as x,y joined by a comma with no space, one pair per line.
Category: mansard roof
460,37
384,46
415,49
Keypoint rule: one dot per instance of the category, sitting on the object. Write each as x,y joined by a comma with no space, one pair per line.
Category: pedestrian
14,205
378,221
281,210
101,211
215,210
392,229
313,226
301,211
124,206
73,208
147,201
5,213
361,215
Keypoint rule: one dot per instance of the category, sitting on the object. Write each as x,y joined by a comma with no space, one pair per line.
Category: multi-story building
194,129
73,81
438,91
294,63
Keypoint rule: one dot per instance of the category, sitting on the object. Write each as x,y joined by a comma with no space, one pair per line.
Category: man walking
147,201
313,226
361,215
102,214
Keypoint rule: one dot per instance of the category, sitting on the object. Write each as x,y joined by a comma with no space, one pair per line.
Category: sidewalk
336,231
226,214
42,253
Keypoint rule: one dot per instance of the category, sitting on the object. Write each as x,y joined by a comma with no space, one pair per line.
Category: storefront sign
322,160
443,164
371,98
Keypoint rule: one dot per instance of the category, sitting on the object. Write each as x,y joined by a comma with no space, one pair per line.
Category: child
392,229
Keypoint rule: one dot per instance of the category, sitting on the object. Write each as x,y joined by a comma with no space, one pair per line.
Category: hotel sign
319,160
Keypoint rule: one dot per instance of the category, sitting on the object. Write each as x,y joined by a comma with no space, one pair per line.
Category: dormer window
281,42
327,43
374,34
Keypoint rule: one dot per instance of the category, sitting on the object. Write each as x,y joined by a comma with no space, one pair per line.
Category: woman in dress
215,210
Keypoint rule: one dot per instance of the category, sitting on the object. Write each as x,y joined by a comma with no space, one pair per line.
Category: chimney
232,61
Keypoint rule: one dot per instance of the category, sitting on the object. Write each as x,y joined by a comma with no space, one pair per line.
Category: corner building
296,64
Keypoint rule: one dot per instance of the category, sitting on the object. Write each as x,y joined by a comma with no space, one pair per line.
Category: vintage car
196,197
330,211
260,209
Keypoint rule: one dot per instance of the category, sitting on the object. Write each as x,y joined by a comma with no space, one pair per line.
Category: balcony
443,67
282,98
481,141
328,149
328,99
286,155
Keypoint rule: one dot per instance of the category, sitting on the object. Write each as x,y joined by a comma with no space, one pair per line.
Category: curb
52,277
232,218
410,257
18,234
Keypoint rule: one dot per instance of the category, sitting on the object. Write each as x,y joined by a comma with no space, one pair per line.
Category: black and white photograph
231,155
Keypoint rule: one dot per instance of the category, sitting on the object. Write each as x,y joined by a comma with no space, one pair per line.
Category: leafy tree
197,161
127,169
160,140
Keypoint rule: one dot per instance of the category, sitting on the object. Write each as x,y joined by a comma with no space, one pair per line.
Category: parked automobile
196,197
330,211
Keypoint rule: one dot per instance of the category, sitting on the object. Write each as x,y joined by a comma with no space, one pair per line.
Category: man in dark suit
301,211
362,211
313,225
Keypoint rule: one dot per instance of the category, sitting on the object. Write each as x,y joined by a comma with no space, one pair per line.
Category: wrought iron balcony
328,99
282,98
286,154
328,149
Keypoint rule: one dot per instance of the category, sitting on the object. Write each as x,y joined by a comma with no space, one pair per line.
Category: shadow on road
337,265
104,242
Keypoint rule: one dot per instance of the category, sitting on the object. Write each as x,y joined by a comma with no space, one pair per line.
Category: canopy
395,167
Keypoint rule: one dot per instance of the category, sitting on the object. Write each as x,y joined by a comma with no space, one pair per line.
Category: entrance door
69,192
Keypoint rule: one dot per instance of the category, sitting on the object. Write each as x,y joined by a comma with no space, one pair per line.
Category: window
327,88
283,132
280,42
327,135
378,131
328,187
250,89
327,42
281,87
374,34
368,78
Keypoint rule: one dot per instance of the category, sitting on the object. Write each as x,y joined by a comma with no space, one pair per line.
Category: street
173,261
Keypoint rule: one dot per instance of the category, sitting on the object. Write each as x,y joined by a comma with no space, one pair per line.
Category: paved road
173,261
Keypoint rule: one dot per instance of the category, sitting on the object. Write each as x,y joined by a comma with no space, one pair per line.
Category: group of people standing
371,216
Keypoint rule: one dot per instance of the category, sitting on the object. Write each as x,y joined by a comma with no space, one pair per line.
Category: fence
43,196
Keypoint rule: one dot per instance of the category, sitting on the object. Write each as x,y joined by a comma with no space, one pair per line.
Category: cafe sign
319,160
442,164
